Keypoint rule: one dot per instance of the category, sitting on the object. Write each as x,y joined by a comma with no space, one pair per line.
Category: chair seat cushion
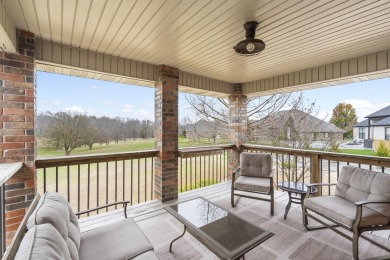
344,211
120,240
252,184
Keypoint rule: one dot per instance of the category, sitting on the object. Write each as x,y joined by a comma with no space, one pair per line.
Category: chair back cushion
357,184
256,164
55,210
42,242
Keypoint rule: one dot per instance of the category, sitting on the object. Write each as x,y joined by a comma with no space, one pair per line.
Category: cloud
108,102
141,114
324,115
79,110
364,107
95,87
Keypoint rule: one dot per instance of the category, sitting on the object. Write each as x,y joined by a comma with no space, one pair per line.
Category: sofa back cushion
357,184
55,210
42,242
255,164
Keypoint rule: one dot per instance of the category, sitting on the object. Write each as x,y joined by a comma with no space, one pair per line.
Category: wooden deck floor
153,209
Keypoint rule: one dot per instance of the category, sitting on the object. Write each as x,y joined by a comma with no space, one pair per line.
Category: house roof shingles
384,112
363,123
383,122
304,122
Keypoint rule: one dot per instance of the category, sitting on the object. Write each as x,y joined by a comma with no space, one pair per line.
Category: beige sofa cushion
252,184
255,164
356,184
120,240
344,211
54,209
42,242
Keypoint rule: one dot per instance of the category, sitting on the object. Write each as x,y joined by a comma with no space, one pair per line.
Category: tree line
67,131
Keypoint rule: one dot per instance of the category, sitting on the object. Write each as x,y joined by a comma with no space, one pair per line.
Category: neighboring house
294,125
205,129
376,126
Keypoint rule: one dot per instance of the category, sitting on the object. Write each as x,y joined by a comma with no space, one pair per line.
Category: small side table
297,188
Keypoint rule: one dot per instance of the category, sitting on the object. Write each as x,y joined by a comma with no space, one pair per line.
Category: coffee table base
185,229
170,246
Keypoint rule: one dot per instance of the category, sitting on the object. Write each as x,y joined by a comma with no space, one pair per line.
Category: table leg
288,205
170,246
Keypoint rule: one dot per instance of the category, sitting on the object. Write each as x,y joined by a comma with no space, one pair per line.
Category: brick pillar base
17,143
166,134
237,126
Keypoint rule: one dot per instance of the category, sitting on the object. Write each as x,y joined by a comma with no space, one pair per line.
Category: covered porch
177,46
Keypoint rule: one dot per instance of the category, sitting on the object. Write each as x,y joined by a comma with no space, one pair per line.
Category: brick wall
166,134
237,126
17,142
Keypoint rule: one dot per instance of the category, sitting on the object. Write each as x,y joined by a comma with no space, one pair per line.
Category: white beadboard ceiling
198,36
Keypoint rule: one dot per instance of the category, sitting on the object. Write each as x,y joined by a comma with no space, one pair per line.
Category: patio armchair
361,203
254,176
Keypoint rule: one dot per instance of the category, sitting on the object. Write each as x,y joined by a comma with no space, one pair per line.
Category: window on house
387,133
362,133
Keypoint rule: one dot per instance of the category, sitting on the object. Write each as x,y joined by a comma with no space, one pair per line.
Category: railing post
315,174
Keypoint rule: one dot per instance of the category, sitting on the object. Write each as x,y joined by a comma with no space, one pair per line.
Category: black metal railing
202,166
309,166
94,180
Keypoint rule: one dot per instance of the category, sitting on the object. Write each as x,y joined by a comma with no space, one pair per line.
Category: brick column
166,134
237,126
17,142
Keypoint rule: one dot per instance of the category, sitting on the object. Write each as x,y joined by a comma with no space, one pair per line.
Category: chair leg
272,203
232,199
355,244
304,217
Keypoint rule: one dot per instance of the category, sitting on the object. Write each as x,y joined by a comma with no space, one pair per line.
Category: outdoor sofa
361,203
50,230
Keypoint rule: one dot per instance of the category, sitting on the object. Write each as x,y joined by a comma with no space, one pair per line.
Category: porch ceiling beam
62,59
373,66
7,31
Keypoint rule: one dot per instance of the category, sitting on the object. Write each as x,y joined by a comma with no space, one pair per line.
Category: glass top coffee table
224,233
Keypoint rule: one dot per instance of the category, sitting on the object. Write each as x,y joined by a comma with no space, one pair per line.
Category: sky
95,97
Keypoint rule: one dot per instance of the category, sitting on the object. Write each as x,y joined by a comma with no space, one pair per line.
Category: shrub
382,150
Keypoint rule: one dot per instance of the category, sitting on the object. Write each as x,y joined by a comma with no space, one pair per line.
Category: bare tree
67,131
216,111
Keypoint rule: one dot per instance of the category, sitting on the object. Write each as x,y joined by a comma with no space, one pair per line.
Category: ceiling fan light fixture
250,46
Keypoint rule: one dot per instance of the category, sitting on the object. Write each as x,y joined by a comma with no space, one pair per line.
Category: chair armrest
106,206
236,171
364,202
272,174
359,209
309,186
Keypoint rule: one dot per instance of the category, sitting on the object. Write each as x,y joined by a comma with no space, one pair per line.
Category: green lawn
128,146
358,152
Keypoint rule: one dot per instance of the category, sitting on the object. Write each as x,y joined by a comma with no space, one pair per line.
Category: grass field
122,146
358,152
